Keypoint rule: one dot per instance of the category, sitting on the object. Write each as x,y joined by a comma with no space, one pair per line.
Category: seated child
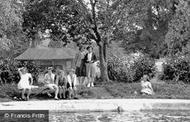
146,86
50,82
61,82
25,83
71,83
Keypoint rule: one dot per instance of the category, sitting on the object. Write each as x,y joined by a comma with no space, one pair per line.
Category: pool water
135,116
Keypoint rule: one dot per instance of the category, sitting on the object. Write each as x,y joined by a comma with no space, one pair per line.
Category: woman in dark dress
80,65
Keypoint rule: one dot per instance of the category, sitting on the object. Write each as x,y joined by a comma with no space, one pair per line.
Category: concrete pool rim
98,105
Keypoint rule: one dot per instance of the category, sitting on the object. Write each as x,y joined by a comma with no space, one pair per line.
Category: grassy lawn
162,91
109,90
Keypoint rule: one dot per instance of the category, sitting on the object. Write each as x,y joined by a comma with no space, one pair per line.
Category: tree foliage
153,20
146,25
178,35
11,34
76,20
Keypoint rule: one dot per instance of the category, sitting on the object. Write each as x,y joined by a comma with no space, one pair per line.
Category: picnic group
64,84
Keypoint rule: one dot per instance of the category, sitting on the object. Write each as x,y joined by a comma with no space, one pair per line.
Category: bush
177,69
9,70
142,66
129,68
9,91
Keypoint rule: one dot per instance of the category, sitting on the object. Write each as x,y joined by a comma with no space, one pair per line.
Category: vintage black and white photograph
94,60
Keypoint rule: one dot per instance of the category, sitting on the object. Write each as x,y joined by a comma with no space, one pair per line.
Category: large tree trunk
103,63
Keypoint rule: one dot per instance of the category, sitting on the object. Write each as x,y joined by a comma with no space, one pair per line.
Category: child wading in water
25,83
146,86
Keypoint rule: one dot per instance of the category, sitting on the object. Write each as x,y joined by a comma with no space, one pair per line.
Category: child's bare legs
63,91
74,91
56,92
28,94
23,92
60,92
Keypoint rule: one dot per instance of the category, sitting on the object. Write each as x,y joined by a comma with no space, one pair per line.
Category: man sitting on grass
50,82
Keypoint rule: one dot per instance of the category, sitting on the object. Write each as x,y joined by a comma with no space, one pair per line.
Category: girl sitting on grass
146,86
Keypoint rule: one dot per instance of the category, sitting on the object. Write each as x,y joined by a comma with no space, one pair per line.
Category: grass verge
107,91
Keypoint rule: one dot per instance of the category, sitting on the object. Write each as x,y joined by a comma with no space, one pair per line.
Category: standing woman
89,59
80,65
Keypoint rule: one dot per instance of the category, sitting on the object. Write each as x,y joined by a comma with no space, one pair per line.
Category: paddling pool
132,116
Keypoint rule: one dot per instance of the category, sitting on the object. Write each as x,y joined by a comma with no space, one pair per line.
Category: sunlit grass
110,90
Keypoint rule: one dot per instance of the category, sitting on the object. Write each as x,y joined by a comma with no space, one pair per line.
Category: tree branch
95,28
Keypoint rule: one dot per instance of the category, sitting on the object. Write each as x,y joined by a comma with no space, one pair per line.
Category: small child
146,86
25,83
49,80
61,82
71,83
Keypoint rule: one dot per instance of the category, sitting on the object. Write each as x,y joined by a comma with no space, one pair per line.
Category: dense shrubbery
177,69
130,68
9,70
9,91
144,65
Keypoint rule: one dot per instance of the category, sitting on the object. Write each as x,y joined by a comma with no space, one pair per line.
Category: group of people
85,65
62,82
59,82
